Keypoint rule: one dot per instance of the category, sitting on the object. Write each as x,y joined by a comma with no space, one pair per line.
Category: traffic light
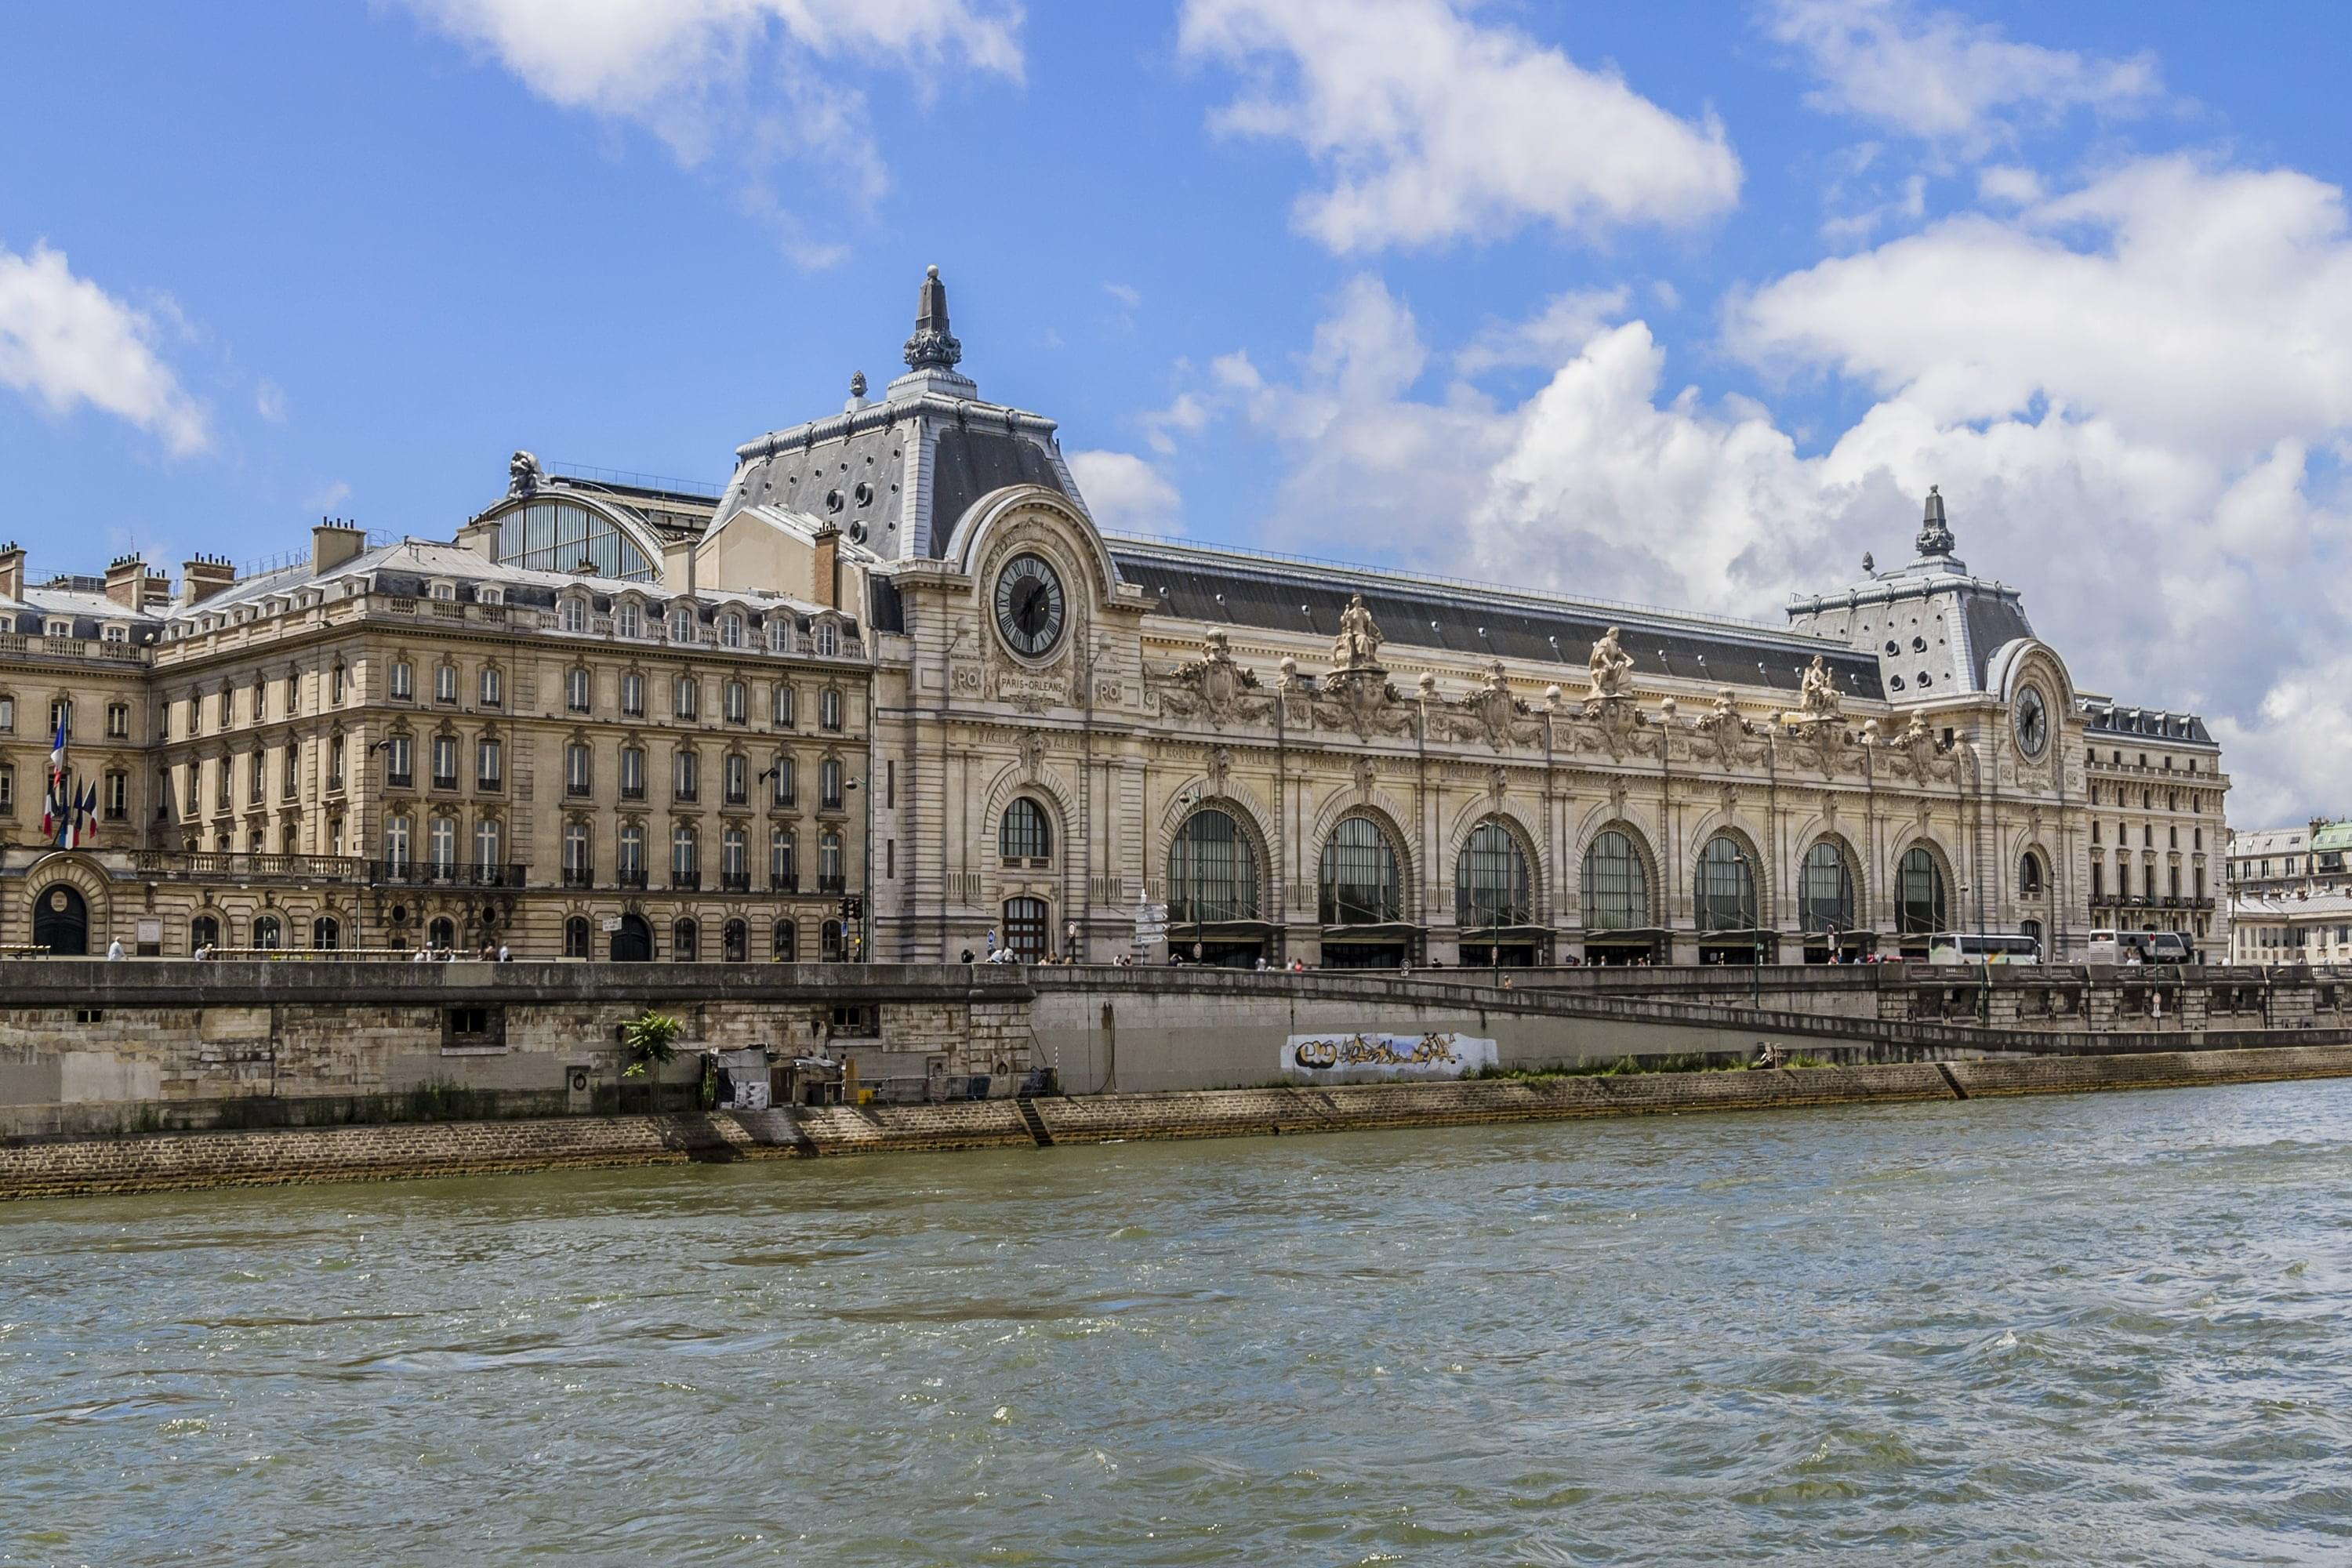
853,907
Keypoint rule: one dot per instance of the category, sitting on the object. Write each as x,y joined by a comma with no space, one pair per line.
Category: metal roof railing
1244,557
631,479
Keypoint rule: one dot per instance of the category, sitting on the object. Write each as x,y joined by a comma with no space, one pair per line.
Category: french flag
54,807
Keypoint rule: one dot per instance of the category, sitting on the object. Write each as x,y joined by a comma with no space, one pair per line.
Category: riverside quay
892,694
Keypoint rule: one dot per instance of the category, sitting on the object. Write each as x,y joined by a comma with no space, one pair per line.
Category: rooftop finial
1935,535
933,344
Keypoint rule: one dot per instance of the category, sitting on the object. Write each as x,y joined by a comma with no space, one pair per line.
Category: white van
1984,947
2153,947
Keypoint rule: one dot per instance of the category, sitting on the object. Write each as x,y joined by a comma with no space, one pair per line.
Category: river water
2098,1329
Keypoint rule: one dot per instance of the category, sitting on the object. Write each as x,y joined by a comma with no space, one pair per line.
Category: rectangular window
7,715
399,762
575,691
7,789
633,696
781,783
289,783
738,703
118,722
444,762
118,797
256,783
490,771
890,857
684,777
784,707
633,774
828,783
686,697
335,762
338,685
738,780
493,686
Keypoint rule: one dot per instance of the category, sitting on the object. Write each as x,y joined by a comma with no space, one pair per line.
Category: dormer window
681,626
730,630
60,628
572,615
780,634
628,619
487,596
828,639
445,591
117,633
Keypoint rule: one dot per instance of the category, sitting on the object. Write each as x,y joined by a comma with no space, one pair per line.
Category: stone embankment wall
173,1161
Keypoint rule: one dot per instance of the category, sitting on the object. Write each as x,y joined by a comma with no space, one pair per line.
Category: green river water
2103,1329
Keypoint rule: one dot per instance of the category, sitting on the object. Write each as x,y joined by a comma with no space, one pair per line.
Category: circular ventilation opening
1924,680
864,493
1897,682
1918,645
1894,648
833,501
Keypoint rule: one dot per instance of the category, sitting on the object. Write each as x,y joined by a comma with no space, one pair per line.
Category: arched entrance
61,920
633,942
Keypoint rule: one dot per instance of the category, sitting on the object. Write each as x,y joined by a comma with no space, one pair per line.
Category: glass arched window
829,941
267,933
1616,884
1726,887
1024,834
558,536
2029,875
1825,890
684,941
326,934
1490,881
204,932
1212,870
575,937
1359,880
783,942
2032,928
730,630
735,942
441,933
1918,894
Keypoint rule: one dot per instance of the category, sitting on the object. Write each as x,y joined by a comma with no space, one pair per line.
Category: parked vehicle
1984,947
2152,946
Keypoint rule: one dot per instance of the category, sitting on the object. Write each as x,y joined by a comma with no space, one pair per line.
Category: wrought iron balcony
579,875
630,877
425,873
735,882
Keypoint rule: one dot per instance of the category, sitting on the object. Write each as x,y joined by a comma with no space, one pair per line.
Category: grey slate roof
2146,724
1231,587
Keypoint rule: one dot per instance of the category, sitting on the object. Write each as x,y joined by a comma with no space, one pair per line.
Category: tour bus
2153,947
1984,947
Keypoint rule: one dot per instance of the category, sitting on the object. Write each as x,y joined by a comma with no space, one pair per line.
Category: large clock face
1029,609
2032,721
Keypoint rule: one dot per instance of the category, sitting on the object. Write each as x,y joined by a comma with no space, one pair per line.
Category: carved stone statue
522,474
1358,645
1820,691
1611,666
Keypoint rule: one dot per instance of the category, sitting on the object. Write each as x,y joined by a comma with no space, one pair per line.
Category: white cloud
1123,491
2136,396
743,74
1565,323
1126,294
65,342
1436,129
269,401
1942,78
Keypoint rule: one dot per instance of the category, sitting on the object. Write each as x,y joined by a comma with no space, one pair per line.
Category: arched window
1726,887
558,536
441,933
1359,880
1616,884
735,942
683,938
2030,927
1825,890
1025,834
326,934
269,933
574,613
1918,894
1490,880
730,630
784,942
203,932
2029,876
1212,870
829,941
575,937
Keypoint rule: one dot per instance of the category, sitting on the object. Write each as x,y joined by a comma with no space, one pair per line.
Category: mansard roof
1231,587
2113,719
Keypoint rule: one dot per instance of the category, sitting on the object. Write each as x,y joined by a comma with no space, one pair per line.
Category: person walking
114,949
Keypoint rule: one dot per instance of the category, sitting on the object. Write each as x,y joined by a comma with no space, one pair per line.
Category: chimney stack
12,571
826,568
332,543
201,576
155,591
124,574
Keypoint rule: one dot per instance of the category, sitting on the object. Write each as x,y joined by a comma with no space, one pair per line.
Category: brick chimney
12,571
332,543
201,576
155,591
826,568
124,575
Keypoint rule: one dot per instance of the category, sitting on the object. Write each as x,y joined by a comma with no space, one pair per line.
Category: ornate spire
932,344
1935,537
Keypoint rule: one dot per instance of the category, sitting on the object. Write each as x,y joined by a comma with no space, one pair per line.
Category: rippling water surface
2103,1329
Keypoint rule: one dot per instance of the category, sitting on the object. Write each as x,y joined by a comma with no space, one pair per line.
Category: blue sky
1685,307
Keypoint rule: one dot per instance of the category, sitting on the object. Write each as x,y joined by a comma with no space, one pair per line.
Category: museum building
1025,731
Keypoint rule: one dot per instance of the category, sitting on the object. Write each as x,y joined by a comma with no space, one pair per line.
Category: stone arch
85,876
1815,833
1660,898
1050,789
1530,838
1717,824
1382,814
1941,854
1246,813
972,546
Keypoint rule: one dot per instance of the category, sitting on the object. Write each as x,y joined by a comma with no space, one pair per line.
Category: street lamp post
1192,861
